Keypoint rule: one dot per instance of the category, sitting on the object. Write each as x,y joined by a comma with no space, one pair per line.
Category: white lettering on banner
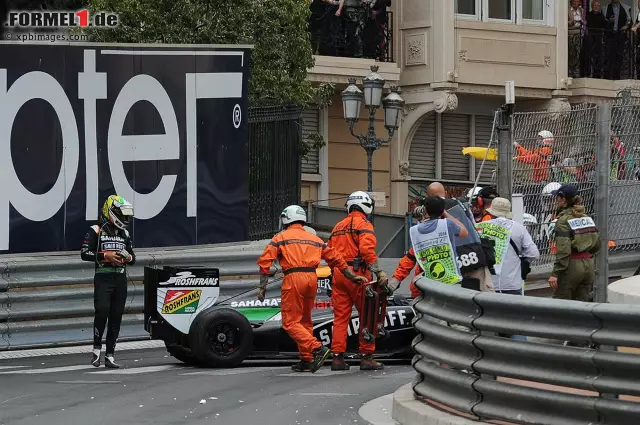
148,147
92,86
35,85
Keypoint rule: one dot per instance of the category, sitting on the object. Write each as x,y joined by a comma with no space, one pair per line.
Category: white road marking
123,346
18,398
11,367
48,370
135,370
325,394
321,372
88,382
224,372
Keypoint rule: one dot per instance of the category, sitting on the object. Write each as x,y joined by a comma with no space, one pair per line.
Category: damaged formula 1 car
186,308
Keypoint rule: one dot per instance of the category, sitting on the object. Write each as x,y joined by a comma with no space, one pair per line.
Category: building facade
451,59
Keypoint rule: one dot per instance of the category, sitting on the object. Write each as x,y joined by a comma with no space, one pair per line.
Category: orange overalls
538,159
407,263
299,253
352,237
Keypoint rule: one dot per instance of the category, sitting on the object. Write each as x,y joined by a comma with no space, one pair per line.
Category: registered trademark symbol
237,116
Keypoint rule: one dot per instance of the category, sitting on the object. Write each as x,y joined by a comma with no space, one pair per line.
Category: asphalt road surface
156,389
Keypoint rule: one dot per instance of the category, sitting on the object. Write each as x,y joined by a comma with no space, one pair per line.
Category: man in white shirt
512,242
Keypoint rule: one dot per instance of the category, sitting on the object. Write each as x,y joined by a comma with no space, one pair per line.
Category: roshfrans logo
61,19
189,279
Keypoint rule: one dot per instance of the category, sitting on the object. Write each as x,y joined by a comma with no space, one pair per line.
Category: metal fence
463,362
354,34
274,166
48,300
565,153
603,53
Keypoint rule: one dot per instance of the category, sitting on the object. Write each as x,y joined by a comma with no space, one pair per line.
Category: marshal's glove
356,279
391,286
262,287
382,277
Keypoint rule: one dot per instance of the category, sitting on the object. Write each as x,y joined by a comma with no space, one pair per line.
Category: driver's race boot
110,362
338,362
367,363
319,357
302,366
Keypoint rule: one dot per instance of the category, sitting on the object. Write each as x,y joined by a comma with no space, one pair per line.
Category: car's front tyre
221,337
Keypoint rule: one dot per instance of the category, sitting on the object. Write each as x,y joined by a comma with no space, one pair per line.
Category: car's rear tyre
185,355
221,337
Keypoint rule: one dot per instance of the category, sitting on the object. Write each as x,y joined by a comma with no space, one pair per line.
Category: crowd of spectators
602,43
350,28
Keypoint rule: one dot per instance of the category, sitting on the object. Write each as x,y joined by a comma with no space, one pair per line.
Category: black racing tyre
221,337
185,355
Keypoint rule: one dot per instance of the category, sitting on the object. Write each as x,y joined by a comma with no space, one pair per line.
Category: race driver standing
109,246
355,239
299,253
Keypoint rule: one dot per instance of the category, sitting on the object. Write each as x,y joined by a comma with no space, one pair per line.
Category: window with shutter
484,127
422,154
455,135
310,125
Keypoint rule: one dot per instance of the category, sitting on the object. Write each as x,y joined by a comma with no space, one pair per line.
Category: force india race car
184,307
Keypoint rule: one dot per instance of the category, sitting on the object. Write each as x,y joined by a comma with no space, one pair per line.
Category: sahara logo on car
189,279
181,302
269,302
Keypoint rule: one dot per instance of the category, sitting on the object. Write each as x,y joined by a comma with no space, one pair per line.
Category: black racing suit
110,280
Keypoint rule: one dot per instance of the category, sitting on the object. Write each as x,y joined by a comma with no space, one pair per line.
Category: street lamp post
352,98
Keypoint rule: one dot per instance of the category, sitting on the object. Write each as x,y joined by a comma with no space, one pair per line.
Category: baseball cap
488,192
566,191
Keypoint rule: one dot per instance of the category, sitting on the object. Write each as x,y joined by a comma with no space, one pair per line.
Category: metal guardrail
47,300
463,363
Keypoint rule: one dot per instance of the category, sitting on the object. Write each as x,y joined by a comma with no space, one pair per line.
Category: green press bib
499,231
435,254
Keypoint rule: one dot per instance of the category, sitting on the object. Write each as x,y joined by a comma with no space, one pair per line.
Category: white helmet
292,214
528,220
473,192
360,199
547,137
549,188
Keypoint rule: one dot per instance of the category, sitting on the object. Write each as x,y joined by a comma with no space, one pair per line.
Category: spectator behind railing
616,41
350,28
602,45
596,25
575,31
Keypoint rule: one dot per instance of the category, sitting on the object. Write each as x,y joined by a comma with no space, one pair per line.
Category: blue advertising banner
163,126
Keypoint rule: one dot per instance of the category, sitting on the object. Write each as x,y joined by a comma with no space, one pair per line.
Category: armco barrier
465,362
47,300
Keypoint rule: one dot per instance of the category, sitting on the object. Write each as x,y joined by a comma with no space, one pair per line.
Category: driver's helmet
117,211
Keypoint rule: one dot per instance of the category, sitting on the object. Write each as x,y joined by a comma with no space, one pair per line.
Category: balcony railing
361,34
604,54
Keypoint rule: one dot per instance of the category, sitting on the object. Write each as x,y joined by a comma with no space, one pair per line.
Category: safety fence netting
550,149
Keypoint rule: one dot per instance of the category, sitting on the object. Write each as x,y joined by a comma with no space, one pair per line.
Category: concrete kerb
625,291
409,411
